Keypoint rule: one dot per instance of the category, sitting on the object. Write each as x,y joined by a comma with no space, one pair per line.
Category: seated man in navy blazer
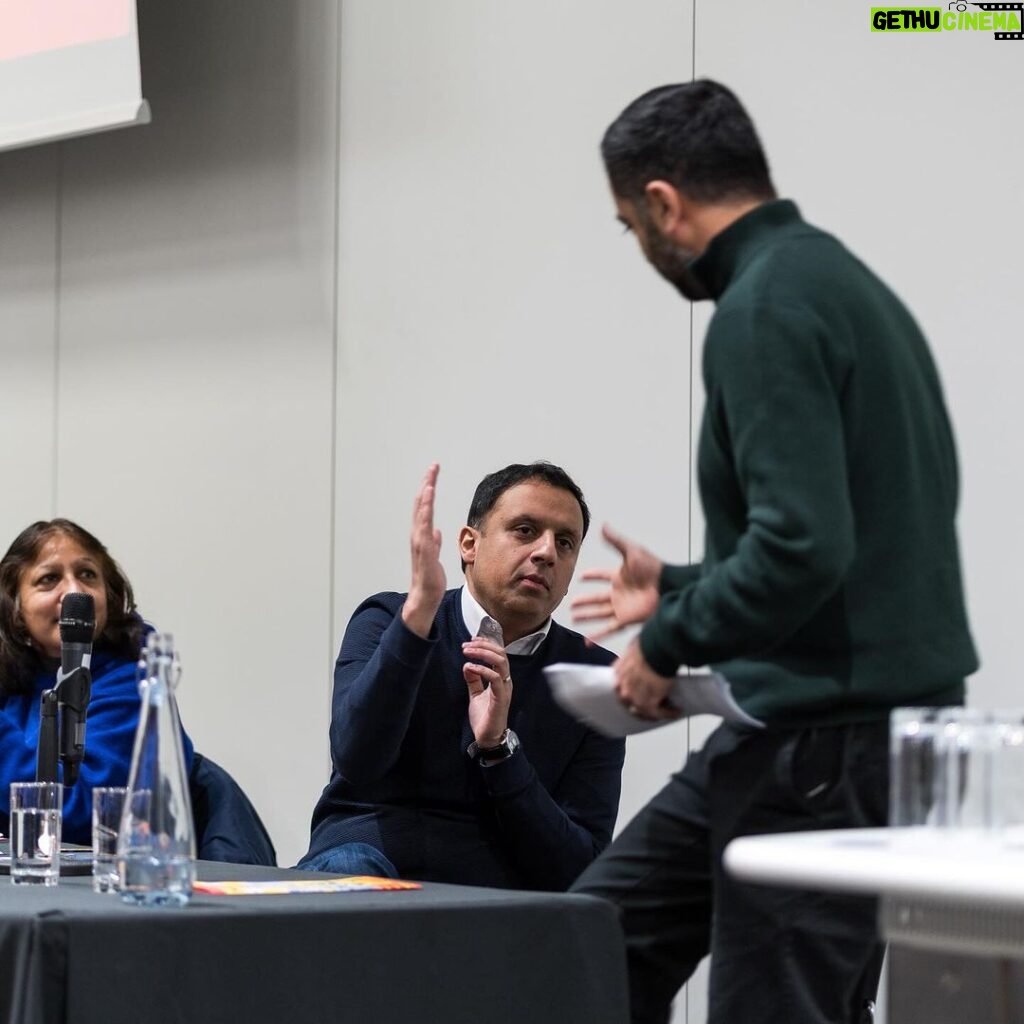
452,762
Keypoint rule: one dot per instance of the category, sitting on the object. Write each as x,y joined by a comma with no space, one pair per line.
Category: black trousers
777,955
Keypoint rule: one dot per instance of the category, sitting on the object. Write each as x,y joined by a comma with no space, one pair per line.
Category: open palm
633,592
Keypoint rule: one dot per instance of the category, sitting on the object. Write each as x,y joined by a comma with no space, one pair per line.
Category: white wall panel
195,375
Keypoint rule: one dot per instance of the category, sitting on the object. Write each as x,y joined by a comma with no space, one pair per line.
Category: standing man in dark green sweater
830,590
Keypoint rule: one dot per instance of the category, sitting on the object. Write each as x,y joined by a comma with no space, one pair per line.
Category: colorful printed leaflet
282,886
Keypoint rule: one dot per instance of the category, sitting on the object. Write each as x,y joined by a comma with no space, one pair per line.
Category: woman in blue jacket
47,561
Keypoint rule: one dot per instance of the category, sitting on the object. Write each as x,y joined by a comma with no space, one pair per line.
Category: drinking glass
35,832
913,750
107,806
964,780
1008,772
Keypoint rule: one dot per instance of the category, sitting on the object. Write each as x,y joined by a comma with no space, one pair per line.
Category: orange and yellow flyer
283,886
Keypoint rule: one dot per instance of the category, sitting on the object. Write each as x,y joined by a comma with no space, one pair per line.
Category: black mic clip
63,739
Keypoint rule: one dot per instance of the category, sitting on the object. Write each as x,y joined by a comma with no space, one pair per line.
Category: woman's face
62,567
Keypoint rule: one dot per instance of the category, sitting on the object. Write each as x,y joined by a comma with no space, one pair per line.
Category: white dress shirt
473,615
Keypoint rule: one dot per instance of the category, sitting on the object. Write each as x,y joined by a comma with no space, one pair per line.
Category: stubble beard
672,262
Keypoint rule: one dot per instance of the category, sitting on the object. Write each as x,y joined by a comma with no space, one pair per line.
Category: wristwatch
505,749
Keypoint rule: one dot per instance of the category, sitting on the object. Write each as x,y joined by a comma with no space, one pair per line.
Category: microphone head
77,618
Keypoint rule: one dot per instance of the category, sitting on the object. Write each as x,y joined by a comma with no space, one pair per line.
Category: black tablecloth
444,953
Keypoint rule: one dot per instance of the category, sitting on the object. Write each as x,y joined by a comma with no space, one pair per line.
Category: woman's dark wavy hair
20,662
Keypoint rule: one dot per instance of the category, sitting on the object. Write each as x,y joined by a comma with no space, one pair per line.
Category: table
951,908
445,953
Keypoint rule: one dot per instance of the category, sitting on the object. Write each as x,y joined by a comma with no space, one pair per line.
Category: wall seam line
335,321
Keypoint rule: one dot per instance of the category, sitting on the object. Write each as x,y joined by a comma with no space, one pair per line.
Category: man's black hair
696,136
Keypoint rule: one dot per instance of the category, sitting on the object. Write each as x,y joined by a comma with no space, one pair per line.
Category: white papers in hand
587,692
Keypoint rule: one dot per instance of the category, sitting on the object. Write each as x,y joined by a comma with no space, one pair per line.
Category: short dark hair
495,484
20,662
696,136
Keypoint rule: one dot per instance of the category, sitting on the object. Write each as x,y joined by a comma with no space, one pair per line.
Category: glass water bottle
156,850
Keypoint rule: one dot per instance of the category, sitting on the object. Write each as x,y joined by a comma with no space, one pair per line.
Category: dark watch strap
506,748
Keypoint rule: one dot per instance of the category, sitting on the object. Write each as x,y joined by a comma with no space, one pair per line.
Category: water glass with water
35,832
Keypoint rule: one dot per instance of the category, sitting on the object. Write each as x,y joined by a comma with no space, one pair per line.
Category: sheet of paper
587,692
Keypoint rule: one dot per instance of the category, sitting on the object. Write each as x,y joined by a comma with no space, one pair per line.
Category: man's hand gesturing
633,594
428,579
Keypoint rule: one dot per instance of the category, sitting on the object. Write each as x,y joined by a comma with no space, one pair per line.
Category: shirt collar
727,251
473,615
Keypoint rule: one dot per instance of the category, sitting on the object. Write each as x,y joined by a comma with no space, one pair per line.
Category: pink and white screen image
35,26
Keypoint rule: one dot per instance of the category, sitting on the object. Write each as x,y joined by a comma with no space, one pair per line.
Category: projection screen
67,67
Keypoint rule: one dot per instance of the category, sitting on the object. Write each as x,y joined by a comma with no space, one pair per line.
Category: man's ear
667,207
467,544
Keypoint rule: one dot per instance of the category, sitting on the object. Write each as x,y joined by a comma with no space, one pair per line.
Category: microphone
77,625
74,682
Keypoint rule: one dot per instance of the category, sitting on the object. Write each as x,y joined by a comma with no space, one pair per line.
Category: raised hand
490,689
633,594
428,578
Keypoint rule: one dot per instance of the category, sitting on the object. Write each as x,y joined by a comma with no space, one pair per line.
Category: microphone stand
46,755
63,736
